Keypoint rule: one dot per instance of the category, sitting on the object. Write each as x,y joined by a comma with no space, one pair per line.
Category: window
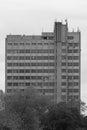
63,57
9,84
15,71
21,64
75,70
51,83
39,71
9,71
21,51
70,84
76,97
75,57
48,71
63,90
70,37
9,57
63,77
15,64
33,71
63,50
40,43
63,63
69,77
12,57
45,38
21,43
21,57
76,83
70,90
27,77
51,38
27,57
27,84
70,70
51,51
15,84
15,77
33,84
63,44
73,90
63,83
33,64
51,58
51,64
70,44
70,57
76,64
9,43
70,64
39,77
63,70
51,70
21,71
76,44
75,77
28,64
27,71
21,77
15,44
69,51
45,58
46,84
9,77
21,84
43,64
27,51
15,57
11,51
33,57
9,64
76,90
33,43
27,43
46,90
75,51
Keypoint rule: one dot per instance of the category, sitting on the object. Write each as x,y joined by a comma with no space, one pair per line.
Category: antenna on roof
66,21
78,29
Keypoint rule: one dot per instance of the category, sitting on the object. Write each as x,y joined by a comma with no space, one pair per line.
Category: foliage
30,111
62,117
28,106
9,121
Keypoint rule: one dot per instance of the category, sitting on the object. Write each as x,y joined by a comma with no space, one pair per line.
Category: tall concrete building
49,62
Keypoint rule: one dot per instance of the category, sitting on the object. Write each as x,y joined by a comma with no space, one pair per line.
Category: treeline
30,111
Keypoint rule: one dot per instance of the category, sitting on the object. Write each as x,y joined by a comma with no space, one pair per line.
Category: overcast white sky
33,16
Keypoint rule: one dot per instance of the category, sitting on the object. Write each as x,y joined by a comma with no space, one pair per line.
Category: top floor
60,34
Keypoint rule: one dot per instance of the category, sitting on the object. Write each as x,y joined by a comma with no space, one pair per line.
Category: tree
62,117
28,106
9,121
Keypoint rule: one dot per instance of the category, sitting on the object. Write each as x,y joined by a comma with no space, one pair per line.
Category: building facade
50,63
